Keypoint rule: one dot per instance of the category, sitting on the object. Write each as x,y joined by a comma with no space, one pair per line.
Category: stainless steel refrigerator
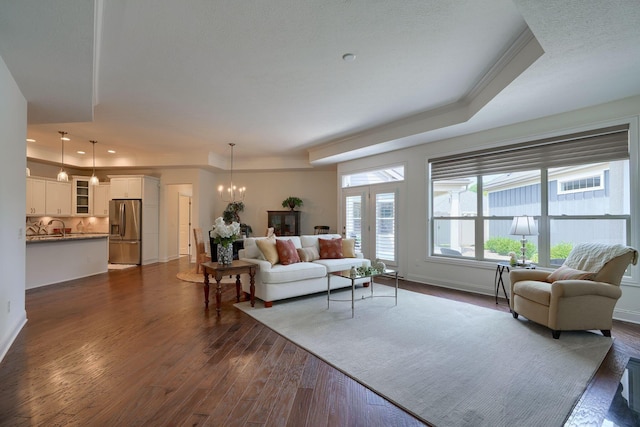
125,231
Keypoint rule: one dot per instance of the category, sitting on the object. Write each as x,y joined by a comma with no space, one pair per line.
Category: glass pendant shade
62,175
94,179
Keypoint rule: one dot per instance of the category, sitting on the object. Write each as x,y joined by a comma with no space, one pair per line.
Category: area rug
448,363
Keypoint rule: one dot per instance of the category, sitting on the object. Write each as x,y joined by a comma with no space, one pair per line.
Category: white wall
416,265
13,122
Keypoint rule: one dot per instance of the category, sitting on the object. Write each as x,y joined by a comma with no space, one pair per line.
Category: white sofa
277,282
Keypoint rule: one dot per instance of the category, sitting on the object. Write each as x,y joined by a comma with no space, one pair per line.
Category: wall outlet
20,233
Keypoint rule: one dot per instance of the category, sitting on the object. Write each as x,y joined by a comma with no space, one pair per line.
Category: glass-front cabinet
81,196
284,223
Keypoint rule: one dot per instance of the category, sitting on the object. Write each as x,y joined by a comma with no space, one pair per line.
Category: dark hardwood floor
136,347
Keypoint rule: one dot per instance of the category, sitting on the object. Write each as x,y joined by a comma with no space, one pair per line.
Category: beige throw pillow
308,254
349,248
268,249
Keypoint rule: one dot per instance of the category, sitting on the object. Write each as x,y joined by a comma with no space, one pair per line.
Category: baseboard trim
626,315
6,344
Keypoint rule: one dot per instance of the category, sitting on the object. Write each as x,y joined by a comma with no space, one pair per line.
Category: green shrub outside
561,250
504,245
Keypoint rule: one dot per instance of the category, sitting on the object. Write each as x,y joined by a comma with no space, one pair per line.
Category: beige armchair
580,295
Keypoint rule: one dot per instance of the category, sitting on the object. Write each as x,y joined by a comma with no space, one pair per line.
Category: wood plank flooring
136,347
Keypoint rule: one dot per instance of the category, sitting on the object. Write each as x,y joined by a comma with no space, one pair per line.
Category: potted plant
292,202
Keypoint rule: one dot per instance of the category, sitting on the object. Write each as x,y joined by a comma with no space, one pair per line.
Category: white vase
225,254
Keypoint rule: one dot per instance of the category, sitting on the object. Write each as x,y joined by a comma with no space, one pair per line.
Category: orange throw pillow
287,252
566,273
330,248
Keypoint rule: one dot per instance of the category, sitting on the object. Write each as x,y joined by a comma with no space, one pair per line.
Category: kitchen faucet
61,222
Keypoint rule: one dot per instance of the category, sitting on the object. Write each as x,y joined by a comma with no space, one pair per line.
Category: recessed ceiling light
80,152
31,140
111,151
349,57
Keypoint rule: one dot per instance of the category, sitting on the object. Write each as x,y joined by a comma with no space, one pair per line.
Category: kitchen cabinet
81,198
284,223
101,197
36,193
58,198
126,187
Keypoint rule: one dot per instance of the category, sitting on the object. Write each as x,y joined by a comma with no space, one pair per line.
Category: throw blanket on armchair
593,256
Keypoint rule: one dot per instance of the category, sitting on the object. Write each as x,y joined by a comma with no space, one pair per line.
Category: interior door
370,216
184,224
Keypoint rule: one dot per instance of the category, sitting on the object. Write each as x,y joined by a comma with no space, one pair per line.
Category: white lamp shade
524,226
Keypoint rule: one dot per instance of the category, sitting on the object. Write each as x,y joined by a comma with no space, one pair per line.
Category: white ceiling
170,83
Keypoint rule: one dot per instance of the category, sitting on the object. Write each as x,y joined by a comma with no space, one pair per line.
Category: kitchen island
55,258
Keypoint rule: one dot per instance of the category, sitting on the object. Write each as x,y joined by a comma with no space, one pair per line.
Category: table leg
218,294
252,286
495,281
238,288
353,297
206,288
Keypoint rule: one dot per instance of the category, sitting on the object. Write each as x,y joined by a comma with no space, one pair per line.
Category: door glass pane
455,197
353,223
593,189
385,226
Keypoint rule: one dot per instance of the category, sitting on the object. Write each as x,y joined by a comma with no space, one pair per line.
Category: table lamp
523,226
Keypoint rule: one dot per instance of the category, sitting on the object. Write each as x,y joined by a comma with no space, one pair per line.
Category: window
576,187
391,174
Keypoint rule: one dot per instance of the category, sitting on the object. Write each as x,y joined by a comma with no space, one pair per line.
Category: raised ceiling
171,83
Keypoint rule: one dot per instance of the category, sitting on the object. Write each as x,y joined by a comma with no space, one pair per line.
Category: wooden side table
219,271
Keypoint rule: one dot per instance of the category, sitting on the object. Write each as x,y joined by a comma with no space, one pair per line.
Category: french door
370,217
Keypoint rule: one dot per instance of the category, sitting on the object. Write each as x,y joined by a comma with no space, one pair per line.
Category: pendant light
232,191
94,179
62,175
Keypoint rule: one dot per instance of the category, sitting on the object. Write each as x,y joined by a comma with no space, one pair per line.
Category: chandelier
232,194
62,175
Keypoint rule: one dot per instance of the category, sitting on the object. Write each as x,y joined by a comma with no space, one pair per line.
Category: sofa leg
606,332
555,334
268,304
514,314
365,285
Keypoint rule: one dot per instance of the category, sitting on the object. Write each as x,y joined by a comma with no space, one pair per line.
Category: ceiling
170,83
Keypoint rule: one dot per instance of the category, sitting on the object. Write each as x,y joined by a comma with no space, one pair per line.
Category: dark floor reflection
625,407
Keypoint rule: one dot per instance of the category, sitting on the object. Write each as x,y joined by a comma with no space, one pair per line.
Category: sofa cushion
268,248
567,273
342,264
308,254
287,253
349,248
330,248
299,271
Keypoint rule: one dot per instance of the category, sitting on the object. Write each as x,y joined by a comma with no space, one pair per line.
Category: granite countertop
59,237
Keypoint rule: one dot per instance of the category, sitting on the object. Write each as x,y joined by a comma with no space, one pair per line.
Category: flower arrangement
512,259
224,234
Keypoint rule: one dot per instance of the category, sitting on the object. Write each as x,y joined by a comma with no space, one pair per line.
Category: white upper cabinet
126,187
36,193
58,198
101,197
